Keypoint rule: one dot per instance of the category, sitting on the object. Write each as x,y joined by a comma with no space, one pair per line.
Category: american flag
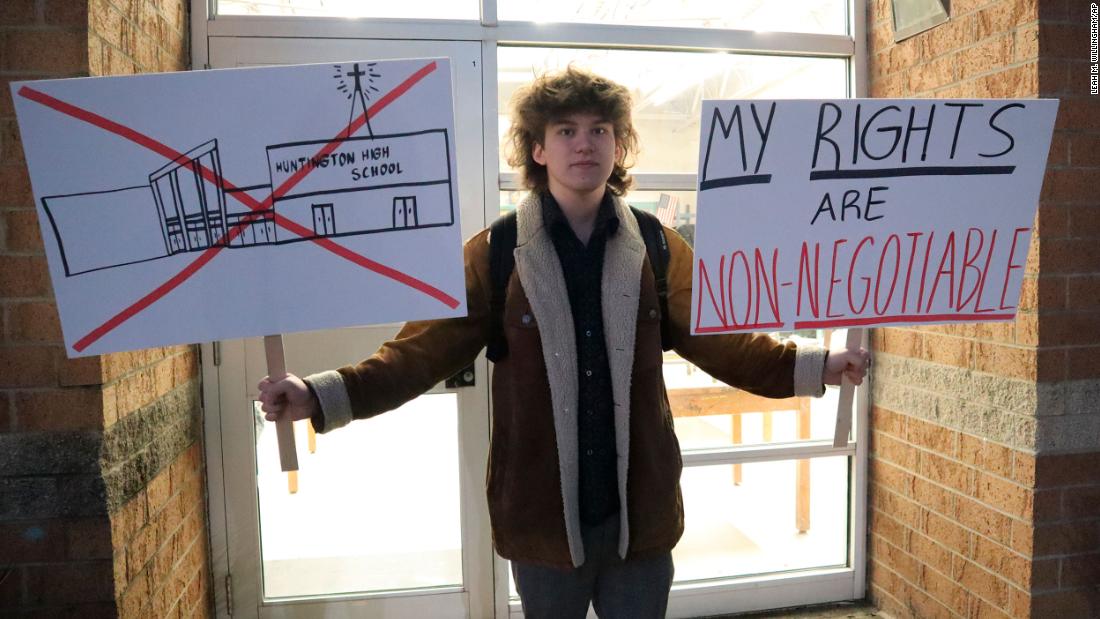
667,207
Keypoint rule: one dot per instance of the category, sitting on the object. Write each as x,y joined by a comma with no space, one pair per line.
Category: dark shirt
583,269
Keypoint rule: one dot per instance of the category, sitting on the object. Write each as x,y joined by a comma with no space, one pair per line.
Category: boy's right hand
287,399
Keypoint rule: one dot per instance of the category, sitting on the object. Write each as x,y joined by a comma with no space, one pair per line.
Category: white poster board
863,212
199,206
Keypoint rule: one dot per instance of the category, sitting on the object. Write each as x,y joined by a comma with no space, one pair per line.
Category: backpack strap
656,246
502,261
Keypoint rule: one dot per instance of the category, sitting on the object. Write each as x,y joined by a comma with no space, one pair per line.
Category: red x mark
208,255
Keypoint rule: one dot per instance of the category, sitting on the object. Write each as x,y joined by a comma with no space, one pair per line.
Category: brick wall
102,498
985,438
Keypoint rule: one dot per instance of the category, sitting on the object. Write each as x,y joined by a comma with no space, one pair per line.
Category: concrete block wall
985,438
102,497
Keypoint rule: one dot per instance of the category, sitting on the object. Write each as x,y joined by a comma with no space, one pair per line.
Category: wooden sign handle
284,429
847,395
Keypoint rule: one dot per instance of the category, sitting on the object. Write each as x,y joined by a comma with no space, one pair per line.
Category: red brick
140,551
931,436
981,609
1052,222
56,52
929,552
981,582
1021,537
1046,293
1047,505
885,420
1007,361
1058,156
28,366
129,519
68,583
1002,561
33,542
896,559
1083,363
11,145
947,532
17,190
116,62
1084,150
134,601
945,589
1019,81
1004,495
931,75
159,491
1070,41
81,371
18,13
1081,570
24,276
74,408
1044,573
990,54
1075,603
1005,15
22,233
896,452
89,539
1051,365
67,13
898,507
1026,43
944,471
1066,538
983,520
892,477
1067,469
1081,502
889,529
7,418
34,322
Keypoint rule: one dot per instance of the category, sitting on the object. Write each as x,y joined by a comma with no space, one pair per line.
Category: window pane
353,525
709,414
818,16
764,523
418,9
668,88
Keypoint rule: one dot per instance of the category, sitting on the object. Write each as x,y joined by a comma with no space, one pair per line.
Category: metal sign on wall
197,206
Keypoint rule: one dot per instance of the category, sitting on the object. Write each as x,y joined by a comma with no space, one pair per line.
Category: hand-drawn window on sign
350,216
850,213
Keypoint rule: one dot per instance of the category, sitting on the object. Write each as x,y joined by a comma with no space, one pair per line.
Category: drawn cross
206,256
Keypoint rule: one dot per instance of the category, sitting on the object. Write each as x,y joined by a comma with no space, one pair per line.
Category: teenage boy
584,465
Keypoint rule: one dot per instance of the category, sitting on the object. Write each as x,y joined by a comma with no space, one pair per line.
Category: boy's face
579,152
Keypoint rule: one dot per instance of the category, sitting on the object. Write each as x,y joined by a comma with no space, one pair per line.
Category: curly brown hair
554,96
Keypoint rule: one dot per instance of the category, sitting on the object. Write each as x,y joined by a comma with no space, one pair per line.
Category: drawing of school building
331,188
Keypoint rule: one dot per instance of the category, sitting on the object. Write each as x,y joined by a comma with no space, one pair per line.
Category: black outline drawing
194,214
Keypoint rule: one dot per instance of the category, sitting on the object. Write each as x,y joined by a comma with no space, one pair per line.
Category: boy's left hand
843,362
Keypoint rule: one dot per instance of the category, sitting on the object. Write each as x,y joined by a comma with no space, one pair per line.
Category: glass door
386,517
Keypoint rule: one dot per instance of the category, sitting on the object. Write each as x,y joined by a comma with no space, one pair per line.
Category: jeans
636,589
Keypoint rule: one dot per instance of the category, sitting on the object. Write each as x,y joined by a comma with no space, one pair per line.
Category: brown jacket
532,472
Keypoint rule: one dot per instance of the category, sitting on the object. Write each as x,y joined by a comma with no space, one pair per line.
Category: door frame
691,599
230,373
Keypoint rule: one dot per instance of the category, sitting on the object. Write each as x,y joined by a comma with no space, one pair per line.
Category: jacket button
652,313
526,319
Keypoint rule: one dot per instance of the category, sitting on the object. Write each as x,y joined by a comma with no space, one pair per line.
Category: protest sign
855,213
199,206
